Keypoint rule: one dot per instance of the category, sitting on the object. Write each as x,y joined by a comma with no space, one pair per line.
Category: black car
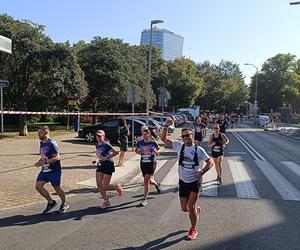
111,129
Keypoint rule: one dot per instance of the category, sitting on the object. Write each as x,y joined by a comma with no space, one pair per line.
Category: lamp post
149,68
294,3
255,98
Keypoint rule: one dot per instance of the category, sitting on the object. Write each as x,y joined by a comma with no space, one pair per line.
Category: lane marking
286,190
295,168
171,179
209,183
242,181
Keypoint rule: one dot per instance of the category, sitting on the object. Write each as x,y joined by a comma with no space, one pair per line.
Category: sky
241,31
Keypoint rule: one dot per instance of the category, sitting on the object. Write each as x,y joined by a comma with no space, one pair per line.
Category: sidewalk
17,174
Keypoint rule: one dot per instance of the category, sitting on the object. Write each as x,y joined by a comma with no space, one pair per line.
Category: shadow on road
160,243
26,220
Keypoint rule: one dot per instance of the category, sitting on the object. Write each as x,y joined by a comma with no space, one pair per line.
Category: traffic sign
133,96
5,44
4,83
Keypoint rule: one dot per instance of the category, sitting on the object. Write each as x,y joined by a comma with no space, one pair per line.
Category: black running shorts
186,188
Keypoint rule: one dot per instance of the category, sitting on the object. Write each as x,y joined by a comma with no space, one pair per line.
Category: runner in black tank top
217,141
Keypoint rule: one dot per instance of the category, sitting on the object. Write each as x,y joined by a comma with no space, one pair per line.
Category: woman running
217,142
148,149
105,167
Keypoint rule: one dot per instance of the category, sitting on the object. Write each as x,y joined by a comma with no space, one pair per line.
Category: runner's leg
39,186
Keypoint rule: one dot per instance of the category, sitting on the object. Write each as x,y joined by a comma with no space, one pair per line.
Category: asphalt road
256,207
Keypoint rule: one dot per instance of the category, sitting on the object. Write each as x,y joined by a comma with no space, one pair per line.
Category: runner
223,123
189,171
148,149
50,172
217,142
200,131
123,139
105,168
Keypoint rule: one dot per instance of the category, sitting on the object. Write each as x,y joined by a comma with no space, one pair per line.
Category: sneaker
220,181
49,207
158,189
119,190
104,204
63,208
192,234
143,203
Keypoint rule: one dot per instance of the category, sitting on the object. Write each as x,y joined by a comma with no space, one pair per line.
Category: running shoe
192,234
119,190
63,208
158,189
49,207
143,203
104,204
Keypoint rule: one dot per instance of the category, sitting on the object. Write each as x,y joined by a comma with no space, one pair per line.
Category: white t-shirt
187,171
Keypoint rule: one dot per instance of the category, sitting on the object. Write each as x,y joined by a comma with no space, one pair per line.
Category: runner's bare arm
164,133
210,142
209,163
224,139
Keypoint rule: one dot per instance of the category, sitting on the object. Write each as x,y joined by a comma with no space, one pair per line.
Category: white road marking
295,168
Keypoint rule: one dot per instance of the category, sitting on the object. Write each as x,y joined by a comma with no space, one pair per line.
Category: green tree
184,83
38,69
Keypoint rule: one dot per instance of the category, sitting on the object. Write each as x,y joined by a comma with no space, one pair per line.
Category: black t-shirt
223,125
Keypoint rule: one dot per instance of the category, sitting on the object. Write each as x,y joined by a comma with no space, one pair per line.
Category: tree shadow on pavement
160,243
26,220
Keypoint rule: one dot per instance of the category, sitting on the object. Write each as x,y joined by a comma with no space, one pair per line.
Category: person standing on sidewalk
105,168
217,142
50,172
148,149
189,170
123,139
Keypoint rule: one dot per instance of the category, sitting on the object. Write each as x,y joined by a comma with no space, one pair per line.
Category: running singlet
103,149
47,150
147,151
217,149
199,127
223,125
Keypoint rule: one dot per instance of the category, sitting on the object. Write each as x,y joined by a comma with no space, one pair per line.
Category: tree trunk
23,131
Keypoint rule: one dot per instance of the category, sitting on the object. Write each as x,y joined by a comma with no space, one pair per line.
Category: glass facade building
170,44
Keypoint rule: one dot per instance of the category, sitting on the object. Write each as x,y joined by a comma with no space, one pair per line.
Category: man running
200,131
50,172
217,142
189,171
105,168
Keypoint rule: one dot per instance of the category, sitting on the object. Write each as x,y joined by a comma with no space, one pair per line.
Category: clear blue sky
237,30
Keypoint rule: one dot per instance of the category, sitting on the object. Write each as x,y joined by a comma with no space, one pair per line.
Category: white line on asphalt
171,179
136,182
237,153
293,167
209,183
242,181
286,190
248,146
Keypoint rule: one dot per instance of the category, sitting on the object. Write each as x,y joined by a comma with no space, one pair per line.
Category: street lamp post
294,3
255,98
149,68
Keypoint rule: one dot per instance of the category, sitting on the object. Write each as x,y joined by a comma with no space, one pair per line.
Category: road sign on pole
5,44
3,84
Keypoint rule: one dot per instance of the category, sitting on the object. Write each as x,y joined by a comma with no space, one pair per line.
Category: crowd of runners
193,162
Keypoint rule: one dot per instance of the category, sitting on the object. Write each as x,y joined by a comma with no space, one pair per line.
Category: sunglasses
216,128
99,135
186,135
146,131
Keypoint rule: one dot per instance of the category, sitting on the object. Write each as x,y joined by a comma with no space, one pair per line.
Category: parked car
154,126
263,120
111,130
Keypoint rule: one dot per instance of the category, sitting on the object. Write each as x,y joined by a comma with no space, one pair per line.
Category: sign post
133,97
3,84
